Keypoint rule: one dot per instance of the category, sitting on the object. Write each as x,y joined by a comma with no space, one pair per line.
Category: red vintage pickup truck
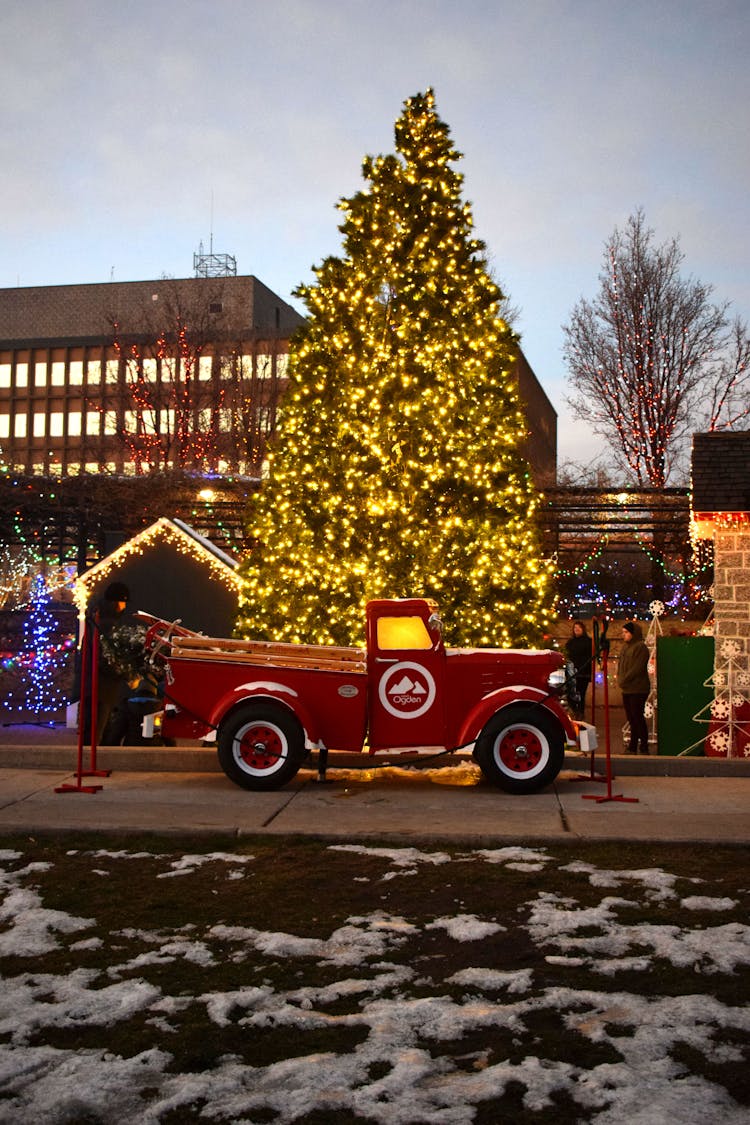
272,703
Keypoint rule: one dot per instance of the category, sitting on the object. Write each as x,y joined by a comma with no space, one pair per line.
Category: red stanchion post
609,795
86,648
92,771
592,775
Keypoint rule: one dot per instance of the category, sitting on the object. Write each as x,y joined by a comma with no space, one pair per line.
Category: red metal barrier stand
609,795
79,774
92,771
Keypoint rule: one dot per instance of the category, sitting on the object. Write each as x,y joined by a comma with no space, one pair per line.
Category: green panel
683,664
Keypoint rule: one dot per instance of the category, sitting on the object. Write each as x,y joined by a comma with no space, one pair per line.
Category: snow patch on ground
396,1074
465,927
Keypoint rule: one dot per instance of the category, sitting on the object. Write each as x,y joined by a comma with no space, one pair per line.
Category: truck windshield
402,632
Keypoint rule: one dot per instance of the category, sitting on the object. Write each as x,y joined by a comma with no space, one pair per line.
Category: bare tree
651,358
193,394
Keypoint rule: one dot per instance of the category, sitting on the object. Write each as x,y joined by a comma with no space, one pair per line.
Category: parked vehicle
271,704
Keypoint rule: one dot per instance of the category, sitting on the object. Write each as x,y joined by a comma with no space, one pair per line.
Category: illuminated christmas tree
397,471
41,659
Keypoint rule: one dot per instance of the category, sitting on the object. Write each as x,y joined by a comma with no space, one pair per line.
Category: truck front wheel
521,749
260,746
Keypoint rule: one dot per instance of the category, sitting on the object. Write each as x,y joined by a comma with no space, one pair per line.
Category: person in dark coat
635,685
102,618
579,653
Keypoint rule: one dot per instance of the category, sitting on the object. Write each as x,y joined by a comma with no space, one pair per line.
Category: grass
144,921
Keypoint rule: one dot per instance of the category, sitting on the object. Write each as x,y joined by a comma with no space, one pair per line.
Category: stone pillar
732,593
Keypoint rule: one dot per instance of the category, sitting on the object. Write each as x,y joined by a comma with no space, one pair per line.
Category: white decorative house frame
731,684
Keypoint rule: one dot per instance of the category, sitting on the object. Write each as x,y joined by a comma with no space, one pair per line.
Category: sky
130,133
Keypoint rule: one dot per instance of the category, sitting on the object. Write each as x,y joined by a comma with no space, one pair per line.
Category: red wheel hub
261,747
520,750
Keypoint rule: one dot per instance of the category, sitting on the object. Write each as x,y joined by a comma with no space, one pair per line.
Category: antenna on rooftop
210,264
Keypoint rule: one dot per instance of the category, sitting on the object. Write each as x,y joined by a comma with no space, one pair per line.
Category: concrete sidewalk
395,805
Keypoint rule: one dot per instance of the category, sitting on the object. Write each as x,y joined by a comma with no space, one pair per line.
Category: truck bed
324,658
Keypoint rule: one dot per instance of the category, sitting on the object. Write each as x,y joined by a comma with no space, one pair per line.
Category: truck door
406,673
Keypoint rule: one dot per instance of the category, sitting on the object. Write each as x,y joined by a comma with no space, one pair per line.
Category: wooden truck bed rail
328,658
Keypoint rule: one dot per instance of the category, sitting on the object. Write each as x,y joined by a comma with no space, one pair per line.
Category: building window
204,367
56,420
39,425
40,374
93,426
4,425
74,423
75,374
22,374
112,370
4,374
94,371
58,374
19,426
110,422
149,370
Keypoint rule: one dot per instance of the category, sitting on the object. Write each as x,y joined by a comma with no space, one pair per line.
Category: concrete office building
128,377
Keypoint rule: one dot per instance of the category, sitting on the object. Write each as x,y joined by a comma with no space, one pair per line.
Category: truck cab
502,704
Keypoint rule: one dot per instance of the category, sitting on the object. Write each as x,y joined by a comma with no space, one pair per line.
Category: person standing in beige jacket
635,685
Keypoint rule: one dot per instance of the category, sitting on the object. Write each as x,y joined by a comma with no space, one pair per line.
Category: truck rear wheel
260,746
521,749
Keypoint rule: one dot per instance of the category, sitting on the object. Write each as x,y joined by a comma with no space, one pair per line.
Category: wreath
122,649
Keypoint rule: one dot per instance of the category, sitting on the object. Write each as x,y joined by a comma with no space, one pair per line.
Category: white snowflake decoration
648,711
720,679
656,608
720,709
742,679
730,649
720,741
738,701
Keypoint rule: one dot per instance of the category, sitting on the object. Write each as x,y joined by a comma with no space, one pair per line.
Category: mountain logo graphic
406,690
406,687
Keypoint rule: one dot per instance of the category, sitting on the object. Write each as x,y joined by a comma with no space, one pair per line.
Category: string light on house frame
173,532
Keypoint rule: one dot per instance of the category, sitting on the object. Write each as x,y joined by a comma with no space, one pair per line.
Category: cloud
121,124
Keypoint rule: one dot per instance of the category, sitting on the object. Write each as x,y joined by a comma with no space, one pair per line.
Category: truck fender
270,692
504,697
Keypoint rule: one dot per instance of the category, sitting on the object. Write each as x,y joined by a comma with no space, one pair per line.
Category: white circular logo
407,690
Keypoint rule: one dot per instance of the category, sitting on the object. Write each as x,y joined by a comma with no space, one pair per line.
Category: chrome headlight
556,680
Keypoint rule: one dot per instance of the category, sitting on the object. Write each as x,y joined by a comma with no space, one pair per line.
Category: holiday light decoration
172,420
397,469
186,541
728,713
41,661
650,352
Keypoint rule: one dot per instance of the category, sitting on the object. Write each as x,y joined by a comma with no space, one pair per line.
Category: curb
200,759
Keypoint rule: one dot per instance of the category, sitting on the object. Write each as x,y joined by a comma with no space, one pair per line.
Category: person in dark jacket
579,653
635,685
102,618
